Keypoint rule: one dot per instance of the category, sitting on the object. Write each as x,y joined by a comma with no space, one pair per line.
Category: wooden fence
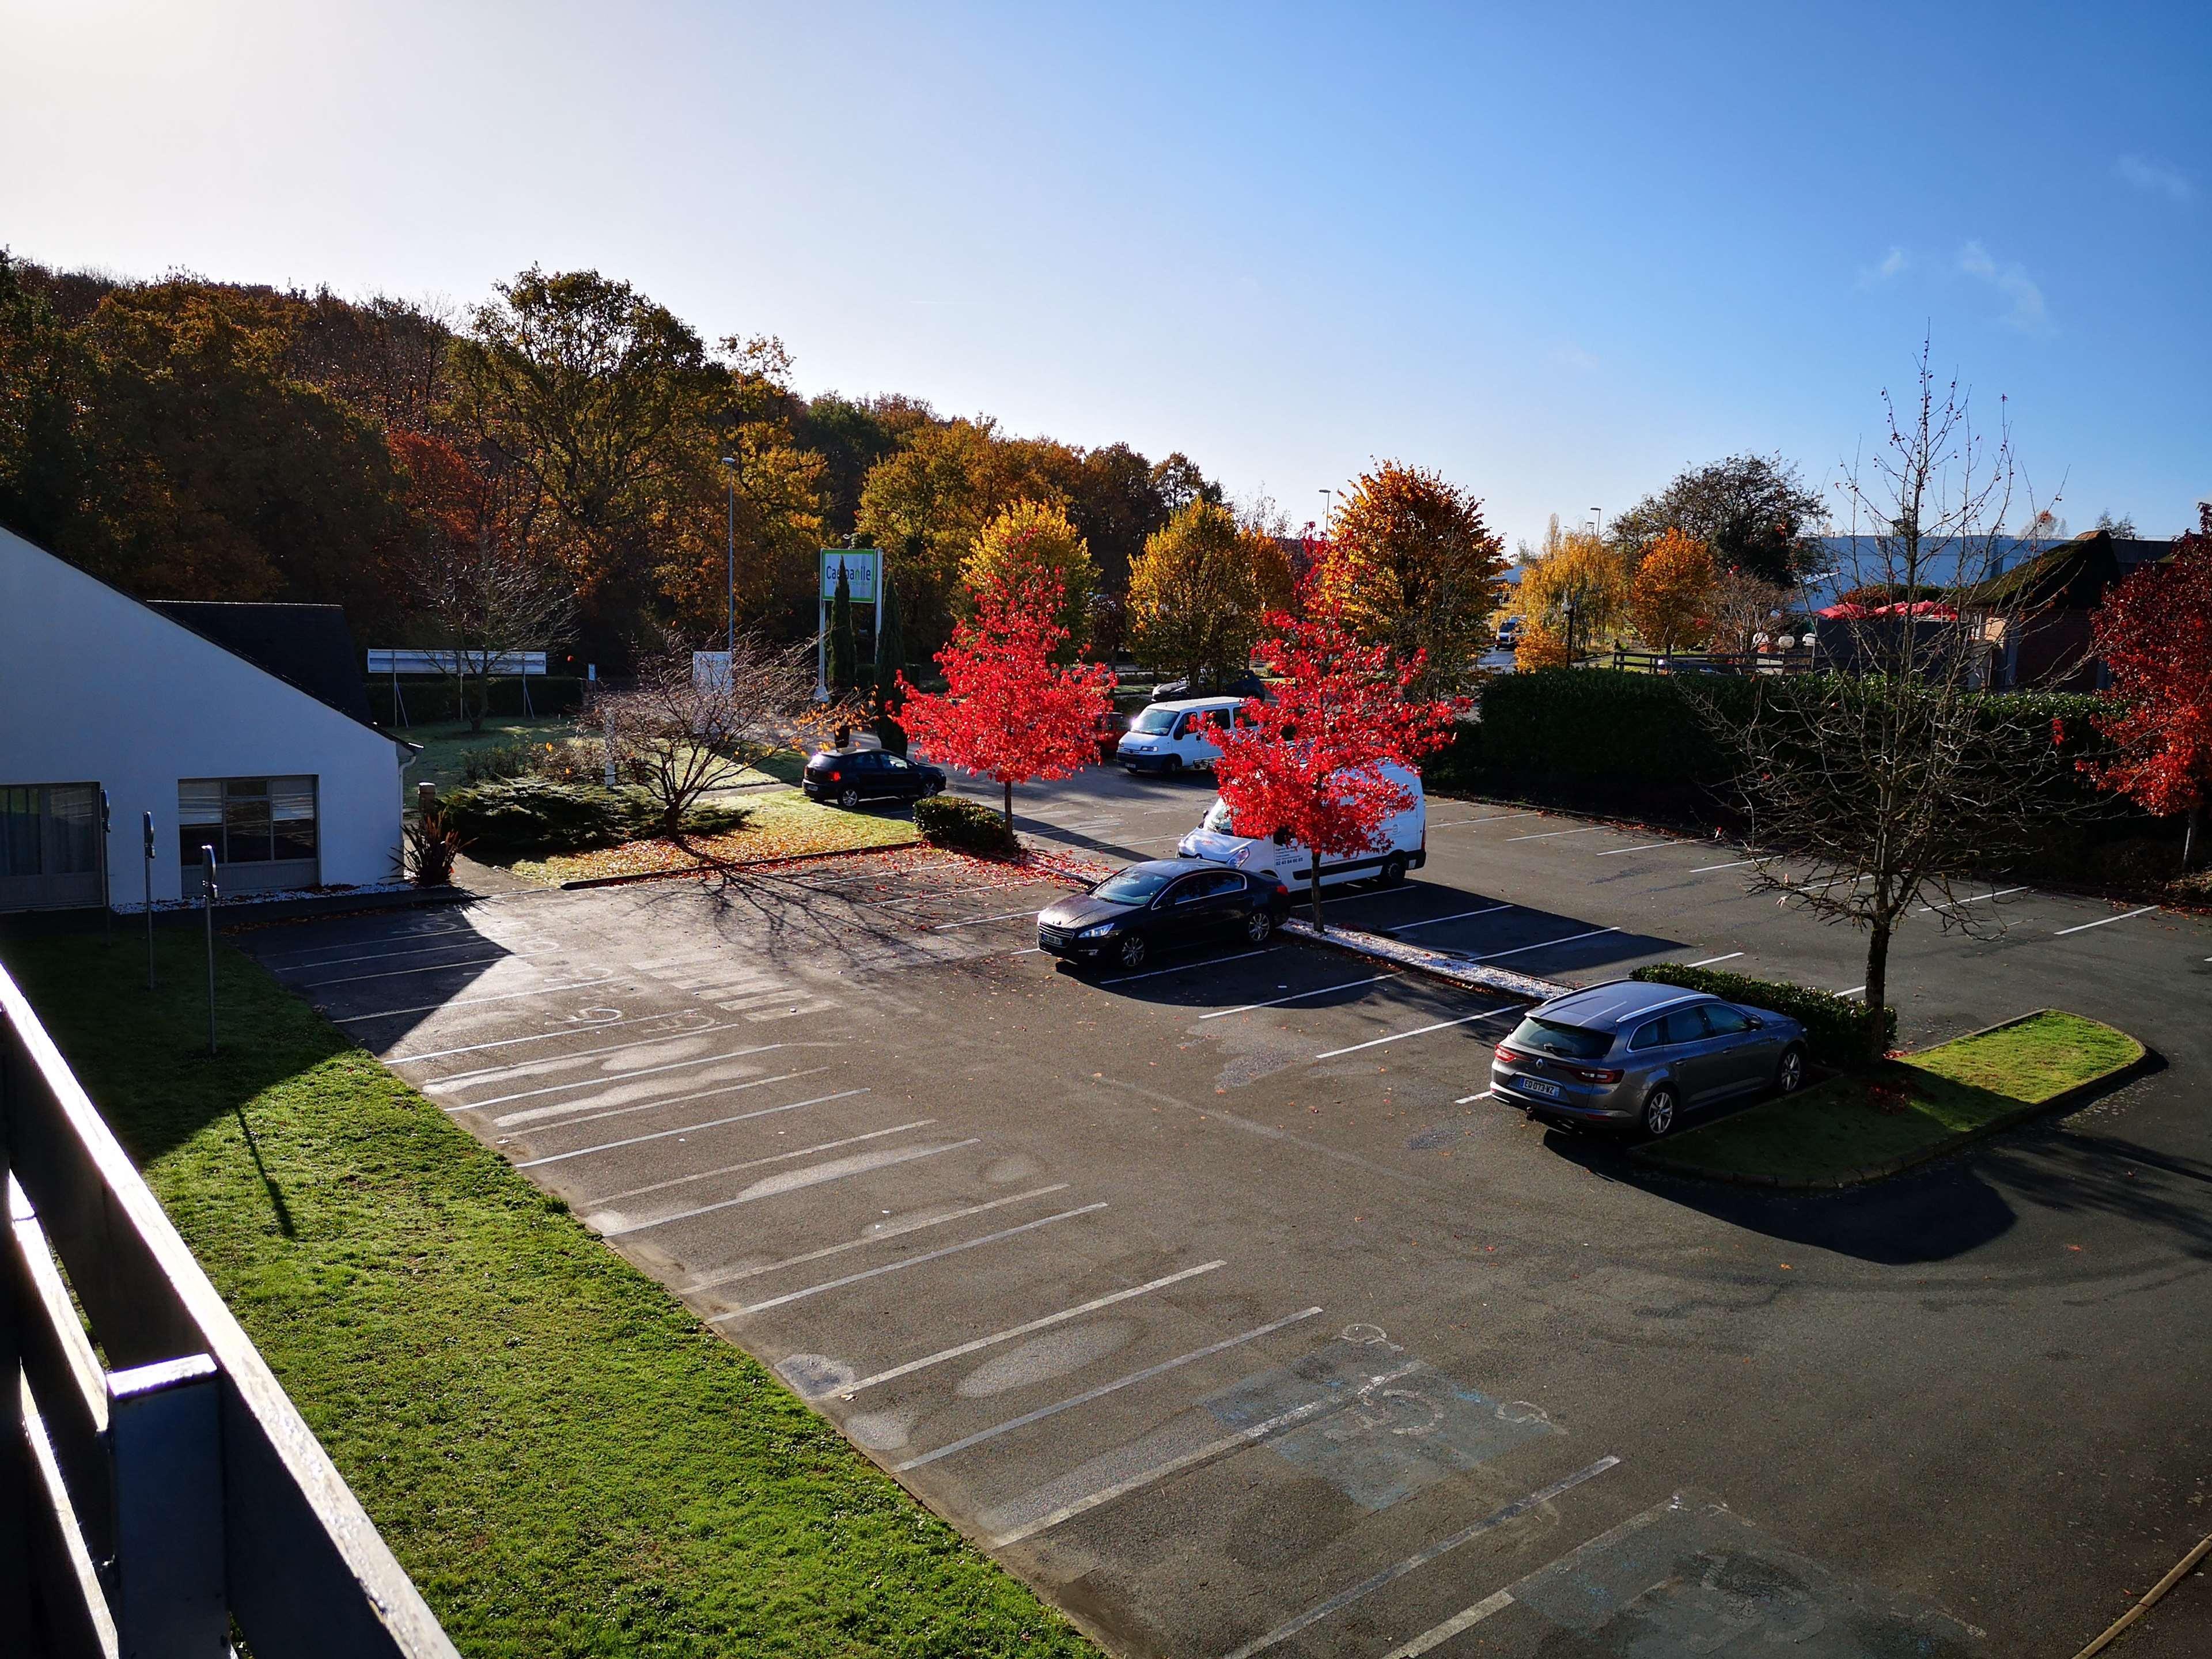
156,1485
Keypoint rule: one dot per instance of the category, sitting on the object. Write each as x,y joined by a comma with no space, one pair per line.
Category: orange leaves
1668,598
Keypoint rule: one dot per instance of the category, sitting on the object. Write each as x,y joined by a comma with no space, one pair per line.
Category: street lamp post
1327,509
730,639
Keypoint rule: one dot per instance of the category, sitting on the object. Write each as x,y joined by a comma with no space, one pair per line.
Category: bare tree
481,603
687,725
1874,790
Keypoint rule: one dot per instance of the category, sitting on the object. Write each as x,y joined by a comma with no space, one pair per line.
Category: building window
248,821
49,845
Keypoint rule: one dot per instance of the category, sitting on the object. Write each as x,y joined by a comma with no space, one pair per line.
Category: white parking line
1553,834
1615,852
466,1002
573,1031
1421,1557
1296,996
895,1229
387,955
977,921
1102,1390
1519,948
1400,1037
550,1062
1495,817
402,973
772,1157
1853,992
1181,968
1972,898
1706,869
1456,916
860,1164
2105,921
428,932
1708,962
688,1128
1453,1625
541,1114
910,1262
1464,1099
613,1078
1012,1332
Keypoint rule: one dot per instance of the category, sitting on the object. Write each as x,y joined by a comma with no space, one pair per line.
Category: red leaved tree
1309,765
1008,712
2155,632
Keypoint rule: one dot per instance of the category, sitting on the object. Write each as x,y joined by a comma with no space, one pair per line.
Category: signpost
107,892
862,567
149,901
207,908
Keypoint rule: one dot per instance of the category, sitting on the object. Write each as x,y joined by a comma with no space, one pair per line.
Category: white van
1404,844
1172,736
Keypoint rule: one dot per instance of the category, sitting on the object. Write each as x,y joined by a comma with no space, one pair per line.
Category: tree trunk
1010,806
1313,890
475,716
1876,994
2193,838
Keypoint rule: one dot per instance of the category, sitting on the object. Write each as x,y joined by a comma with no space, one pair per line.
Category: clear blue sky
1557,251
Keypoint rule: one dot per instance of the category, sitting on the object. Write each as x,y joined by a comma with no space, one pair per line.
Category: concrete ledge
1450,967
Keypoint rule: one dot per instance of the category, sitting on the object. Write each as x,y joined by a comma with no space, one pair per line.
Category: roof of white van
1186,703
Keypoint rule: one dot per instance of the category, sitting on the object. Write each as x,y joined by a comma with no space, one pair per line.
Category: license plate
1538,1086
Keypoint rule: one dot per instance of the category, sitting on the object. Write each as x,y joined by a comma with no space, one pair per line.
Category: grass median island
779,824
1909,1109
564,1459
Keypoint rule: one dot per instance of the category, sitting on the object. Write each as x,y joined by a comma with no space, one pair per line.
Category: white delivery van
1402,844
1176,737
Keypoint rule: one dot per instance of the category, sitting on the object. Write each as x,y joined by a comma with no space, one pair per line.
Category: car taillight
1596,1074
832,775
1510,1057
1281,890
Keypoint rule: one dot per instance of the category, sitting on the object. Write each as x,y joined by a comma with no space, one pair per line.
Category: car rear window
1152,721
1569,1041
1133,886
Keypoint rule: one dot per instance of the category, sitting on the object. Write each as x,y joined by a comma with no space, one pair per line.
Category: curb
2064,1101
1443,965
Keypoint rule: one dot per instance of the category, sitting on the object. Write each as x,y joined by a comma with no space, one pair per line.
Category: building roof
308,646
2074,575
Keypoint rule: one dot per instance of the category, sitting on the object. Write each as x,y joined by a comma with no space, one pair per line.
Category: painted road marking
1615,852
1495,817
467,1002
428,932
1459,915
572,1031
543,1113
688,1128
402,973
1553,834
1418,1031
771,1157
1709,961
387,955
977,921
1570,938
1296,996
2106,921
910,1262
1705,869
1453,1625
800,1179
616,1077
1421,1557
1853,992
1180,967
550,1062
876,1236
996,1337
1464,1099
1972,898
1102,1390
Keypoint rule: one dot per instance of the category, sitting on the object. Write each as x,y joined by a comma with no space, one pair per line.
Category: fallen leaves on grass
783,827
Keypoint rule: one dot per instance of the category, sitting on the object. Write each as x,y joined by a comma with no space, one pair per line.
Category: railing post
15,1452
165,1436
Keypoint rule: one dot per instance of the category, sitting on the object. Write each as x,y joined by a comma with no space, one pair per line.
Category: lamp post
730,639
1569,609
1327,509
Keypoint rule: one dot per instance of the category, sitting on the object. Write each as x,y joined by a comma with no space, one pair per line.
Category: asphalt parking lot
1219,1302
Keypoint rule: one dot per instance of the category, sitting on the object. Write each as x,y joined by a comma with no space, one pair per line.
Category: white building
100,692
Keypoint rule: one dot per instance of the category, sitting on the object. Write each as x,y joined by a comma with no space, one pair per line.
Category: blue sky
1556,252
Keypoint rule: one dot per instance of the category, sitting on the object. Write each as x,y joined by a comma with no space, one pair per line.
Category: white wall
95,688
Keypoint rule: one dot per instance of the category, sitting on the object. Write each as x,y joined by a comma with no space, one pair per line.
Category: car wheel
1258,926
1789,1074
848,797
1659,1111
1393,872
933,787
1174,765
1131,953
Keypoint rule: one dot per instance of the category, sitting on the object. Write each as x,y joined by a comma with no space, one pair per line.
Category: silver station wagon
1628,1053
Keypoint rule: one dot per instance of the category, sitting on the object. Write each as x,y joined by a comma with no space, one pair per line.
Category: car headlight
1099,931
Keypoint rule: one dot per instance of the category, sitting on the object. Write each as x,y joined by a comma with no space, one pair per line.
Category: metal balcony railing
156,1485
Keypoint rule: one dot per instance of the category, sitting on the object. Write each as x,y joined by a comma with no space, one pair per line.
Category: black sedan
849,776
1159,905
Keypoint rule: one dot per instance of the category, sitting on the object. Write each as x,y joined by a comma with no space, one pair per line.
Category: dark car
1157,906
849,776
1631,1055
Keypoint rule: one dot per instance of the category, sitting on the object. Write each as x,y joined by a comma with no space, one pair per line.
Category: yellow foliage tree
1539,648
1033,539
1411,565
1673,585
1577,568
1200,590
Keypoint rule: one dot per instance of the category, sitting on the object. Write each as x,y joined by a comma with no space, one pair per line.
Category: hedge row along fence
429,701
1835,1027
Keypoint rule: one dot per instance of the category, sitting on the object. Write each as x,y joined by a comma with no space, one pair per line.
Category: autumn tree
1412,565
1740,607
1668,596
1201,591
1575,575
2154,634
1029,543
1008,712
1752,511
1309,766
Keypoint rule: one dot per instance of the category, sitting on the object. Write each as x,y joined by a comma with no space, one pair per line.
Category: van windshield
1153,720
1569,1041
1218,817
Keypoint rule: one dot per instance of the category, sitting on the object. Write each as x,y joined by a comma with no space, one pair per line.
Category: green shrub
1458,764
715,817
1835,1027
970,826
502,820
506,759
1594,722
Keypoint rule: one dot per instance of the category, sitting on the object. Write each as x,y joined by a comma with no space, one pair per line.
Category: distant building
243,727
2051,599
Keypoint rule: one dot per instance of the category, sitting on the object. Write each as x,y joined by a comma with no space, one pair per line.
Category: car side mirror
1757,1023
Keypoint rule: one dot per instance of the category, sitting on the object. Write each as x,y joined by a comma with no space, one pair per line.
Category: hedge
970,826
1835,1027
502,820
432,701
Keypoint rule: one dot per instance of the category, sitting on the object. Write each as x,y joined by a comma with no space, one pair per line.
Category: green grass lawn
447,744
781,824
1940,1097
564,1458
